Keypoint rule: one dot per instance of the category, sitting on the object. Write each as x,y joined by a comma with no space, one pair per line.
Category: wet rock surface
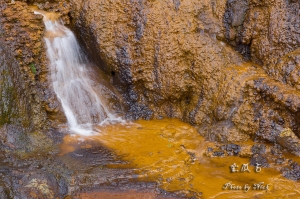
144,64
79,174
293,172
25,95
29,108
258,149
175,67
169,59
267,32
259,159
287,139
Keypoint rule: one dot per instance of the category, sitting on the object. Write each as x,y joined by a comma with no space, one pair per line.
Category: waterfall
81,103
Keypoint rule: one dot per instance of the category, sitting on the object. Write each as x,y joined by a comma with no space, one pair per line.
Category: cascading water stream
81,103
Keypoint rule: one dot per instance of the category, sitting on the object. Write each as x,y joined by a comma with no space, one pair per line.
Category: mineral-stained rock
164,63
169,59
259,160
287,69
165,58
25,96
287,139
268,33
218,153
232,149
292,172
40,185
29,108
258,149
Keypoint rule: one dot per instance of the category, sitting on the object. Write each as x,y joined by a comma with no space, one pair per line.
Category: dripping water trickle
82,104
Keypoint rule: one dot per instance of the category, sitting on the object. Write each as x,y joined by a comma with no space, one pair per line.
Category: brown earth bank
230,68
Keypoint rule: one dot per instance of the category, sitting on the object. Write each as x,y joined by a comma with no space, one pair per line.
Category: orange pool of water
170,152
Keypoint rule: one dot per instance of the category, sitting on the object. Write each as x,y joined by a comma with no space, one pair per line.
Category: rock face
29,109
268,33
172,59
166,59
290,141
20,52
156,52
26,101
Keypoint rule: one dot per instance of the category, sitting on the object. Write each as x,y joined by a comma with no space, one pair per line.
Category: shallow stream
171,153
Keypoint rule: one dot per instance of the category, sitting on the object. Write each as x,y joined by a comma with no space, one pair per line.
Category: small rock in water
288,140
259,159
258,149
233,149
218,153
293,172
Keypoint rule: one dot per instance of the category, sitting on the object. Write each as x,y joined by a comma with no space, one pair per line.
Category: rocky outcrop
166,59
268,33
158,56
26,100
21,48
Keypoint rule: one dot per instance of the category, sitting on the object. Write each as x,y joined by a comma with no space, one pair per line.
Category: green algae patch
32,68
170,153
7,98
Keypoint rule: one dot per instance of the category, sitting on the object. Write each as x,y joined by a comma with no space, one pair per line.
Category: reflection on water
170,152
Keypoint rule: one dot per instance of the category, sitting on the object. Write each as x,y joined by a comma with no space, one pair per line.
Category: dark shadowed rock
231,149
268,33
218,153
259,159
258,149
293,172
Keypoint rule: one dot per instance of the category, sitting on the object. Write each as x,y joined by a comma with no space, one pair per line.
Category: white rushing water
81,103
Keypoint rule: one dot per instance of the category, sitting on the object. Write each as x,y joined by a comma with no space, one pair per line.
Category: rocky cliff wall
167,58
268,33
155,49
27,104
